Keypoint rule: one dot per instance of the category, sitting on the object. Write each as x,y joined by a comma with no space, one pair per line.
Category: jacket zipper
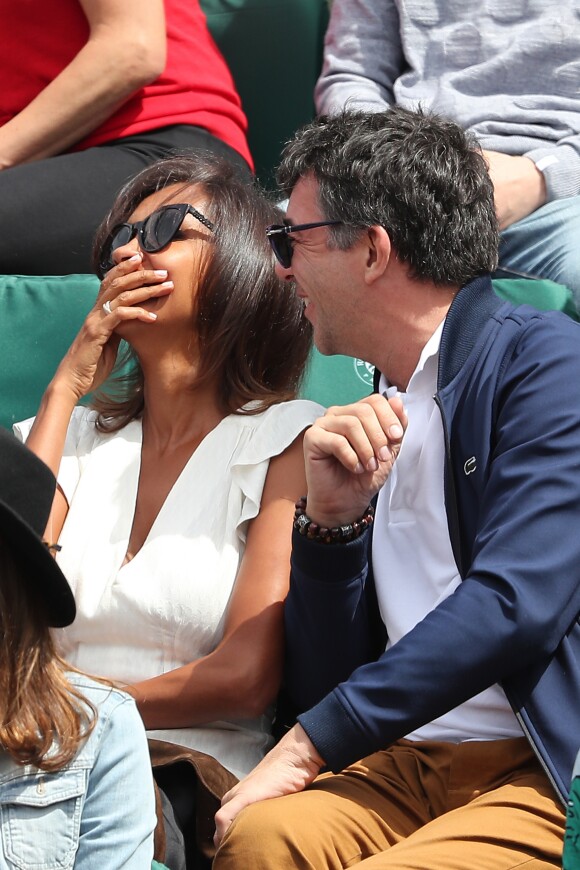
538,755
455,545
450,492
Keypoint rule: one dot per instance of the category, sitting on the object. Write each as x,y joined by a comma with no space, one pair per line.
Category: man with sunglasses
435,663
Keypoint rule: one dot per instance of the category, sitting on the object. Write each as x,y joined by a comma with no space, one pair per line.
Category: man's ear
379,251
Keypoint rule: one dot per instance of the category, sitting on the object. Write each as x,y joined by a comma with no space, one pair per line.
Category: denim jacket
97,812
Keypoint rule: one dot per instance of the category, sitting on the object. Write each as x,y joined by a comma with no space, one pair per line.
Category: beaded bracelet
338,535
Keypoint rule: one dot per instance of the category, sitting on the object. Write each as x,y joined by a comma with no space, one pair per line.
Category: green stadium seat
40,316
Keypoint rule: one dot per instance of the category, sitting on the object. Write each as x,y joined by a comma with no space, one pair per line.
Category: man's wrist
300,744
335,530
537,184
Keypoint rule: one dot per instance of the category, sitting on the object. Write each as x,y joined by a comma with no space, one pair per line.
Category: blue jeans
546,244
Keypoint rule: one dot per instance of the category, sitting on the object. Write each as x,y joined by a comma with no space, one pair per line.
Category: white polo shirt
413,560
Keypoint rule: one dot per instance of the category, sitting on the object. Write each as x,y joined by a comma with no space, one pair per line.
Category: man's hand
288,768
349,454
519,187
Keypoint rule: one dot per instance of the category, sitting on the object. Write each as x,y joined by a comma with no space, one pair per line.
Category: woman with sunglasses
176,491
75,781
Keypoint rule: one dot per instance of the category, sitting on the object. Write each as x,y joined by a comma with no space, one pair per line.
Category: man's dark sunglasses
281,244
156,231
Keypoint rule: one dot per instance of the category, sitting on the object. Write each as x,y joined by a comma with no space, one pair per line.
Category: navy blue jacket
509,395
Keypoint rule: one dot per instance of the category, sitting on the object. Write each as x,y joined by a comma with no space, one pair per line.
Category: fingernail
372,464
359,468
165,284
384,454
151,315
134,258
395,431
160,272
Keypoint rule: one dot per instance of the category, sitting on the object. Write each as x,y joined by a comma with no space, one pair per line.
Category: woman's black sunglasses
281,244
156,231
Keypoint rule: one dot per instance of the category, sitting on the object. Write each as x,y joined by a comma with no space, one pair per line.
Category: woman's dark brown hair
43,718
253,339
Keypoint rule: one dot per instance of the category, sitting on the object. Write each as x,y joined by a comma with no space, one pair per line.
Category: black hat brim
39,568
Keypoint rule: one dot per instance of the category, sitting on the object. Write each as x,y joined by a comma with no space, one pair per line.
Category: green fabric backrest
336,380
274,51
544,295
40,316
571,855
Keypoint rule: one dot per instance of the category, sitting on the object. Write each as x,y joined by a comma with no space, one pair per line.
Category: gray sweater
507,70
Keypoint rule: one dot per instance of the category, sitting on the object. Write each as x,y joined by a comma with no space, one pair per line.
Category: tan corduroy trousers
417,806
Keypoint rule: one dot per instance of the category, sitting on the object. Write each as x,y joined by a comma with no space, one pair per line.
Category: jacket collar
469,312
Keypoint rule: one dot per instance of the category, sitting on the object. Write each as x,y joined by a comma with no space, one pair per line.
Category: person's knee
545,244
568,269
260,833
563,240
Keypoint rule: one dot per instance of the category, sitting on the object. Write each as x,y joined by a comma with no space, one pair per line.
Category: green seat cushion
39,317
539,293
571,856
336,380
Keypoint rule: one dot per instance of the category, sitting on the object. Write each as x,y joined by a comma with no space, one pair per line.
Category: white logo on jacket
470,465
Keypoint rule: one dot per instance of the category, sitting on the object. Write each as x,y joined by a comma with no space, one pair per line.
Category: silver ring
107,307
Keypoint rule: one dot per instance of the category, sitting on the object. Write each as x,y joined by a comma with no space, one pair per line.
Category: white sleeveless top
166,607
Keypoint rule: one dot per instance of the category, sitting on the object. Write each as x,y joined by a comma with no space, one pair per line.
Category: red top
40,37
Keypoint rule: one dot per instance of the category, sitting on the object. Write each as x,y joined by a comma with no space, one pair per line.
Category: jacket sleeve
118,817
329,618
363,57
521,593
